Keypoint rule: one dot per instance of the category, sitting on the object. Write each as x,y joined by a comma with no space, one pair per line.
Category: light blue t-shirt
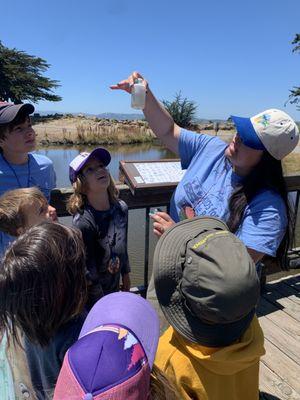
207,185
39,172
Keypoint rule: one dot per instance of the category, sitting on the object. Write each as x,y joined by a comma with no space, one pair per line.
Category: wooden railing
160,197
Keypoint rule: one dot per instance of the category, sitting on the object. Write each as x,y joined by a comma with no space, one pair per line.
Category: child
43,291
102,219
20,209
114,354
208,288
18,167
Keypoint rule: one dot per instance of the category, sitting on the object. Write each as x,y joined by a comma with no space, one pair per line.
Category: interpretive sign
151,174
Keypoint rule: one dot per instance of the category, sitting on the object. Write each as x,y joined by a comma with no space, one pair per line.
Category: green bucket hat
205,281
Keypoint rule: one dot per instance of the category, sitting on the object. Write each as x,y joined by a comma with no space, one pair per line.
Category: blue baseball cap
271,130
247,132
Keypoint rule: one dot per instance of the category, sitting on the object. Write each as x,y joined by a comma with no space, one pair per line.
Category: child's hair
12,215
161,387
7,128
42,282
78,199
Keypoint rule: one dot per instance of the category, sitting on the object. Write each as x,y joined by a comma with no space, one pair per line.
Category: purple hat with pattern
79,161
114,354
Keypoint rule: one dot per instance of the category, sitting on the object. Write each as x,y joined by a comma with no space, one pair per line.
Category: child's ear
4,136
20,231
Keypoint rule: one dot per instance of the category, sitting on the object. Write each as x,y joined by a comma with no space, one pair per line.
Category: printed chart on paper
160,172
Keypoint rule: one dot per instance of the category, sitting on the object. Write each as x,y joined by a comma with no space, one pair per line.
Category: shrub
182,110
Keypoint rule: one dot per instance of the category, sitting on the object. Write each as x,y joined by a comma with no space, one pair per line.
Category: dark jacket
45,362
105,237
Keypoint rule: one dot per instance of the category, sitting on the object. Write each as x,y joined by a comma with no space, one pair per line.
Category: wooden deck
279,316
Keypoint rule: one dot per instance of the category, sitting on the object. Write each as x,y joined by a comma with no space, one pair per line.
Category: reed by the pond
88,131
81,130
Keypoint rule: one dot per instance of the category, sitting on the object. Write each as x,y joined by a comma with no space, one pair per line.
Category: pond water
62,156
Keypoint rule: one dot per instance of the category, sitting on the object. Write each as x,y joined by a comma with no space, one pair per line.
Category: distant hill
119,117
130,117
43,113
206,121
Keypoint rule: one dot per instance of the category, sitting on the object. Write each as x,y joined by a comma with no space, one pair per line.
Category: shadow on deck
279,316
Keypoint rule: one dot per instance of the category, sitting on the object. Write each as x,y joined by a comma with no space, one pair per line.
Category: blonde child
20,209
103,221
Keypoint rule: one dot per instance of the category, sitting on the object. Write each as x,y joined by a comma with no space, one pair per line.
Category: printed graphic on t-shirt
112,240
114,265
207,184
186,212
203,197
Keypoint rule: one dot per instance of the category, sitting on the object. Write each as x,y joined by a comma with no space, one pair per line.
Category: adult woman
241,183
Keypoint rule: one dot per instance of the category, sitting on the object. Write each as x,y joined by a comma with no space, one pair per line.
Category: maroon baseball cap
9,111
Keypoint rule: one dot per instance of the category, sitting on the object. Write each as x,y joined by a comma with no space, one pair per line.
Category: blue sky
230,57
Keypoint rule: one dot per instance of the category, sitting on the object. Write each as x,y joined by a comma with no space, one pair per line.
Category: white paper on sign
160,172
138,179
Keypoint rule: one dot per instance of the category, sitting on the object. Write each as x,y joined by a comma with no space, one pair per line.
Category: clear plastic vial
138,94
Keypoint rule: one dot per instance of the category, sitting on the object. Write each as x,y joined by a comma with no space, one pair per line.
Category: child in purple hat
113,358
103,221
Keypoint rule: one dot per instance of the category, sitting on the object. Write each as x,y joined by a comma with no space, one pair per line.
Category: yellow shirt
206,373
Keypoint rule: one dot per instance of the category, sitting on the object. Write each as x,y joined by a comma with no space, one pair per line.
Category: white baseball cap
79,161
271,130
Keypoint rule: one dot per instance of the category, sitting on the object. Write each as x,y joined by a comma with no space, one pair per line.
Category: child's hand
52,213
127,83
163,221
126,283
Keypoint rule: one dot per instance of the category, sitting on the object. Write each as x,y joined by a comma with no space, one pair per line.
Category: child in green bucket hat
207,287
